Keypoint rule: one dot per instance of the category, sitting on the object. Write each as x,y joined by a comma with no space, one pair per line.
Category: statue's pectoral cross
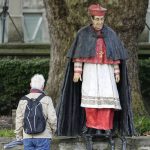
101,54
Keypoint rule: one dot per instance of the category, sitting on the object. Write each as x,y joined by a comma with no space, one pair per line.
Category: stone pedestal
72,143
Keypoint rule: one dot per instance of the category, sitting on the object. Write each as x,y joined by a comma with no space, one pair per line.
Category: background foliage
15,75
144,75
142,125
7,133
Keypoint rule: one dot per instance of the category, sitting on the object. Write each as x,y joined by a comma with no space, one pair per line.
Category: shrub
7,133
142,125
144,76
15,80
16,74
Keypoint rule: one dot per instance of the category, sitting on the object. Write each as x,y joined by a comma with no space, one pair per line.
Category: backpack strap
25,98
40,97
37,99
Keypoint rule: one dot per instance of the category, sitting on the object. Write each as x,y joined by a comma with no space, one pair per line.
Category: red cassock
99,118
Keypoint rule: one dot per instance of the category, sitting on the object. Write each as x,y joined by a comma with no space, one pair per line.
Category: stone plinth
78,143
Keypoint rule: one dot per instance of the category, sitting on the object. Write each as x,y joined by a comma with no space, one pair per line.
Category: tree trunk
65,17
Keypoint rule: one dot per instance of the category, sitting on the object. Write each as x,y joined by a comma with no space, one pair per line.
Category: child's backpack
34,120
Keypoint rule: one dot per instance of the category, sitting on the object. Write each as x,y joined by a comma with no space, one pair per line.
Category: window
33,27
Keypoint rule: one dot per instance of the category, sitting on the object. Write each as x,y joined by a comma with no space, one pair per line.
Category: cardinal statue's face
98,22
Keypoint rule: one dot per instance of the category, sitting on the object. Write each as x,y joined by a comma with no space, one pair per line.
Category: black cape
71,117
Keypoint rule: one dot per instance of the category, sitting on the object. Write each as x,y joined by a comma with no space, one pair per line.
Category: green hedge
144,75
7,133
15,75
142,125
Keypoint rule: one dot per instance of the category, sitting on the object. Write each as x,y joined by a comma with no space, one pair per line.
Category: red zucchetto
97,10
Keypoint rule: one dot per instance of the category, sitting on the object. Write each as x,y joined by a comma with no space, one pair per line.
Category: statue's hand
77,77
117,78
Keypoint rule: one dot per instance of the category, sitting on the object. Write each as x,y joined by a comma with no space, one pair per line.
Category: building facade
24,21
27,23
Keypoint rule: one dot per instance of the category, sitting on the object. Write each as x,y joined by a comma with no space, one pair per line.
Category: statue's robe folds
71,116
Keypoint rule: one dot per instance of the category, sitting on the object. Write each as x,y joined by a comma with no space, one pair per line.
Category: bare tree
65,17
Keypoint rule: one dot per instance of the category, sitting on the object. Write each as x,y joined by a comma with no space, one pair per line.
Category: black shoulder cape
85,42
71,117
